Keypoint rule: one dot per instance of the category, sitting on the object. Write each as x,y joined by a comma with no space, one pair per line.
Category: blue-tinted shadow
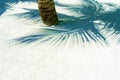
85,28
112,22
6,4
82,26
31,14
3,7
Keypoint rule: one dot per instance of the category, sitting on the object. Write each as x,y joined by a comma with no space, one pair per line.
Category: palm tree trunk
48,12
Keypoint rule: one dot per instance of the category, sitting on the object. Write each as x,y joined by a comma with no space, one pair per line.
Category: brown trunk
48,12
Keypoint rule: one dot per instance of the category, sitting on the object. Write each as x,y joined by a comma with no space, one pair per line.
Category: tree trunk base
48,12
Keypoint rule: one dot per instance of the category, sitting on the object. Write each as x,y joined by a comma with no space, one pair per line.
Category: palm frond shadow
82,28
31,14
6,4
79,27
3,7
111,21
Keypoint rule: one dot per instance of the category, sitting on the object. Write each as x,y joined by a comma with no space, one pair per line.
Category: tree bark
48,12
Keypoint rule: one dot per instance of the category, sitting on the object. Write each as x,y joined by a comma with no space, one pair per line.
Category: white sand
36,62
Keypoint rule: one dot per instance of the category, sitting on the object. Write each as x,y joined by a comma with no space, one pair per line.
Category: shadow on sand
6,4
87,27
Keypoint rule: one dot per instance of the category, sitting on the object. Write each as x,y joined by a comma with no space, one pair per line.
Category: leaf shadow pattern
31,14
3,7
111,19
6,4
82,28
86,31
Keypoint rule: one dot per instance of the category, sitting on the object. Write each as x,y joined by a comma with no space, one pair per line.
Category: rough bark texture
48,12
